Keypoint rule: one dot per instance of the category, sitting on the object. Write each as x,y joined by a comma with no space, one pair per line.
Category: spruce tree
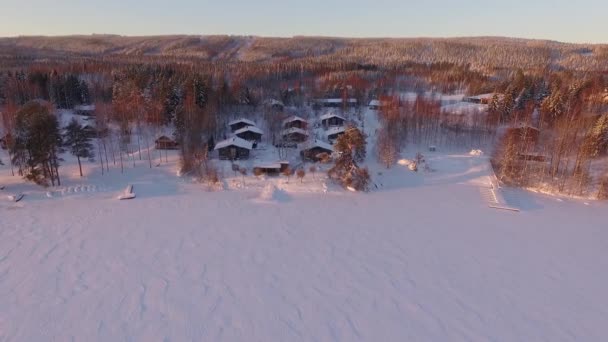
78,141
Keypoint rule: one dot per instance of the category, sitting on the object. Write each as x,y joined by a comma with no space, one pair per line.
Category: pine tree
350,148
78,141
37,144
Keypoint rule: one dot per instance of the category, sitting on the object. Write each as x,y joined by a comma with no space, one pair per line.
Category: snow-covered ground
420,258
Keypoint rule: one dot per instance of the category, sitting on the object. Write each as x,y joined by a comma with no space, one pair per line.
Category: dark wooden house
234,148
250,133
313,150
166,143
294,135
334,133
295,122
332,120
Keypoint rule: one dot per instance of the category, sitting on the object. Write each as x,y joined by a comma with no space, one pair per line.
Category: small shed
332,120
313,149
233,149
237,124
250,133
271,168
165,143
295,122
294,134
335,132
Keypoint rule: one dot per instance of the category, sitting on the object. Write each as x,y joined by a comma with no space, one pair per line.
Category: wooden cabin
334,133
272,169
235,125
313,149
295,122
250,133
165,143
294,135
234,148
332,120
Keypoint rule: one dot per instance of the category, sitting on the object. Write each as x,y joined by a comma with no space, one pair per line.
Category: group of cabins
246,136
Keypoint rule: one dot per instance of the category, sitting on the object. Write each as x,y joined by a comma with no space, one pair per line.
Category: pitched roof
331,115
164,138
294,130
253,129
316,143
245,121
293,119
234,141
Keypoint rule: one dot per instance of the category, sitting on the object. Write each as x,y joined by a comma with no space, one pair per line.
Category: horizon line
76,35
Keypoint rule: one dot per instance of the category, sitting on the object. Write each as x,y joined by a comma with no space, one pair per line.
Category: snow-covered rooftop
87,108
336,100
331,115
253,129
241,120
316,143
294,119
335,130
234,141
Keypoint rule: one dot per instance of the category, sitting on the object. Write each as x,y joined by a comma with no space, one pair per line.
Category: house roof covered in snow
294,130
335,130
86,108
336,100
241,120
163,138
234,141
294,119
331,115
316,143
488,96
253,129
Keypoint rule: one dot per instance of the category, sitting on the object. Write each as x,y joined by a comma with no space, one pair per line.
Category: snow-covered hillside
421,258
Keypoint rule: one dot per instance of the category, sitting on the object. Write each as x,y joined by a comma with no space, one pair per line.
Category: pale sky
570,21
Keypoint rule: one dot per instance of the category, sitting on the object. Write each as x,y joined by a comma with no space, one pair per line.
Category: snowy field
422,258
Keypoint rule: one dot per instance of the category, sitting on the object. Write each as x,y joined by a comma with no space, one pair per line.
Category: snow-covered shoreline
420,258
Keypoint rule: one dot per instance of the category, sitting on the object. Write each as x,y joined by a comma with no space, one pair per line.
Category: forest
546,120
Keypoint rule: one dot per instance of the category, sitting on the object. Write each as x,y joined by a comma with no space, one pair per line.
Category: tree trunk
80,165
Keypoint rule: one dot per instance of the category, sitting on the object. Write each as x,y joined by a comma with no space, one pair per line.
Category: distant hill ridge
479,52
